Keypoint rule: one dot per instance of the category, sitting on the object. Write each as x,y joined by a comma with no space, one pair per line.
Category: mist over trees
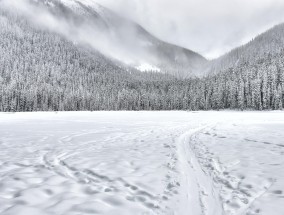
41,71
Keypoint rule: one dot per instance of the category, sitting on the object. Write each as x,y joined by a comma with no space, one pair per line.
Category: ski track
172,163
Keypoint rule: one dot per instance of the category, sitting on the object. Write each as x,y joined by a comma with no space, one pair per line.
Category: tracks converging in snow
200,195
168,163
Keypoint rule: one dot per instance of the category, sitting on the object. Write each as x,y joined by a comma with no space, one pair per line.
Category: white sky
210,27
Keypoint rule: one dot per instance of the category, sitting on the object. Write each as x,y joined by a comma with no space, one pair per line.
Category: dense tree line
40,71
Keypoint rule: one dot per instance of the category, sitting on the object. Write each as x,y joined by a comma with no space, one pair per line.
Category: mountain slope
130,43
266,45
251,76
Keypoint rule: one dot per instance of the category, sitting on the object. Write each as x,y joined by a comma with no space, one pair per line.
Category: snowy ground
120,163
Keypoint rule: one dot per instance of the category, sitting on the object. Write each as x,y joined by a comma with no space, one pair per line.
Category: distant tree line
40,71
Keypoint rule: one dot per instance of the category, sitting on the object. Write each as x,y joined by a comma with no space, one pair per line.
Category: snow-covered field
120,163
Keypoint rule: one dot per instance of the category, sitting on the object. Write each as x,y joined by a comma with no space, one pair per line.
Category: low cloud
208,27
83,32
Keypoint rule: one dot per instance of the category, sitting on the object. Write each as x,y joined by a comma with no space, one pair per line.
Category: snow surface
199,163
145,67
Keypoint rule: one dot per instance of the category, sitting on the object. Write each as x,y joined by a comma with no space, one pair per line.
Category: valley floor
119,163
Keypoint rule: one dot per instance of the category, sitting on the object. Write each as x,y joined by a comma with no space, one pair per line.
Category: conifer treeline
40,71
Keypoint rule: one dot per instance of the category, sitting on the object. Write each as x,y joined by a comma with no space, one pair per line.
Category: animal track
96,183
235,194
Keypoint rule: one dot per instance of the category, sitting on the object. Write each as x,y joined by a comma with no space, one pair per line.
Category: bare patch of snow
145,67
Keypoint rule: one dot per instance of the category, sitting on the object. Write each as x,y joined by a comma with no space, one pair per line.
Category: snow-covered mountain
66,55
128,41
264,46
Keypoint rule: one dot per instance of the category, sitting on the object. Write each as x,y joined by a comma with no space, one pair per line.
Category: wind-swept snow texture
120,163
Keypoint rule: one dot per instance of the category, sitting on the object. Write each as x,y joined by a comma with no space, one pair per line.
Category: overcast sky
210,27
